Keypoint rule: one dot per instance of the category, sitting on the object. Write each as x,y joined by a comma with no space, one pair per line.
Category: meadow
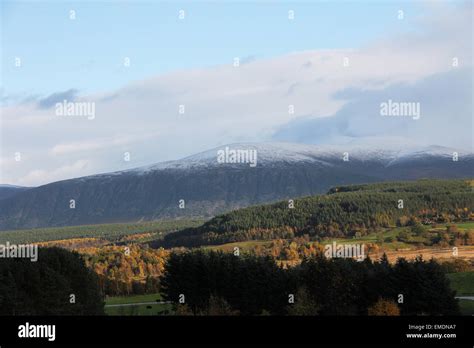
111,232
463,283
136,305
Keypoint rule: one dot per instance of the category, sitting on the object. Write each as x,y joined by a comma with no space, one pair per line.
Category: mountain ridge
207,187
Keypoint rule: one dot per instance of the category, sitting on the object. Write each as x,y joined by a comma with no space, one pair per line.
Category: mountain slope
208,187
11,190
343,212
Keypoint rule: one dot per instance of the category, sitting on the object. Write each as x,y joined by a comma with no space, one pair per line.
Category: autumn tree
384,307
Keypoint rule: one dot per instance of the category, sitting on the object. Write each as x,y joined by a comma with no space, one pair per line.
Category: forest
216,283
345,211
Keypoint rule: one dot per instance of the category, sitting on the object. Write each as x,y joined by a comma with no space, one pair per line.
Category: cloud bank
335,97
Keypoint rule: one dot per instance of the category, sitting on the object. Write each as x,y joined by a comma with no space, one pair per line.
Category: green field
463,283
467,307
112,300
139,309
372,238
106,231
244,246
466,225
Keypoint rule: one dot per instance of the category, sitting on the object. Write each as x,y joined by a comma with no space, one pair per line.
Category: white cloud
98,144
224,104
67,171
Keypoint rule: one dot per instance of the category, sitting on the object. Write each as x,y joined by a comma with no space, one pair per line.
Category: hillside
208,187
7,191
346,211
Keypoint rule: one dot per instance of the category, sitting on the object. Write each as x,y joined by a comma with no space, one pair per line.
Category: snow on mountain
210,187
275,153
271,153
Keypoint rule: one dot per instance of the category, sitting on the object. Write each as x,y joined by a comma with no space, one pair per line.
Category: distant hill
343,212
209,187
7,191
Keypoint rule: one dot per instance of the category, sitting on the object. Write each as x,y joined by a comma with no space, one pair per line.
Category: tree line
208,282
214,283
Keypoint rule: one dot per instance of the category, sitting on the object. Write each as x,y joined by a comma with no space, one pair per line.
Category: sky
163,81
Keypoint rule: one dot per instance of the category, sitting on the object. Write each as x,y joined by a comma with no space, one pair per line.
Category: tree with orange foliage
384,307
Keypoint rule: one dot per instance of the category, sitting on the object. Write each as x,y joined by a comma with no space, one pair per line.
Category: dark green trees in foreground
216,283
251,285
248,284
45,287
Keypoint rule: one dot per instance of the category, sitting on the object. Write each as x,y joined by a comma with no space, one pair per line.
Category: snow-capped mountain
275,153
224,178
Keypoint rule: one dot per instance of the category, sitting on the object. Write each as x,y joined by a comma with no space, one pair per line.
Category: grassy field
393,232
463,283
466,225
112,300
138,309
243,246
105,231
372,238
467,307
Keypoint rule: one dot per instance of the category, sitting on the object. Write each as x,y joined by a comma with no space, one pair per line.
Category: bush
417,229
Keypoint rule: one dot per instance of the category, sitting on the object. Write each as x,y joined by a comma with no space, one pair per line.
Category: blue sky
87,53
189,63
